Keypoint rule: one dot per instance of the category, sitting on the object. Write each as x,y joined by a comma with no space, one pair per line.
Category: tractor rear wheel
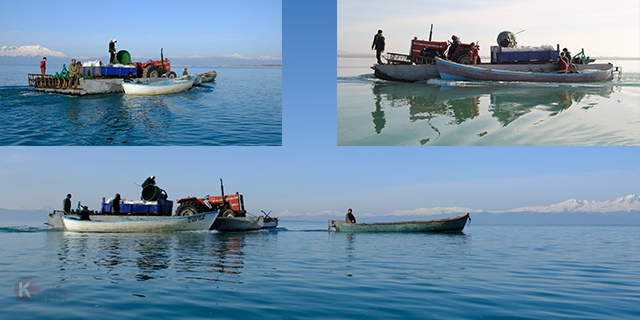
187,209
171,74
150,71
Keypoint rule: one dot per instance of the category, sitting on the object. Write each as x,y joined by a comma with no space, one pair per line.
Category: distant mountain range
622,204
33,54
29,51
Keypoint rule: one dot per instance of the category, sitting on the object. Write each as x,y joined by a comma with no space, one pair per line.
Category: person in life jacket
473,53
562,65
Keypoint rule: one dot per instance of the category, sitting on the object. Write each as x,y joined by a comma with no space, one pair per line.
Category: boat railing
47,81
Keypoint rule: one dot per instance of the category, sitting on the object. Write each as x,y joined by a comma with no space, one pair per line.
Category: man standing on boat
115,205
453,47
43,65
378,45
349,217
66,204
112,50
73,73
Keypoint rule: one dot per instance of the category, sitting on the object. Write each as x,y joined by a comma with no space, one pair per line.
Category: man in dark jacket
115,205
66,204
84,214
112,50
349,217
378,45
454,46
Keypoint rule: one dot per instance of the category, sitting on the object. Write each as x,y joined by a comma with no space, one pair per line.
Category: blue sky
250,28
601,28
309,174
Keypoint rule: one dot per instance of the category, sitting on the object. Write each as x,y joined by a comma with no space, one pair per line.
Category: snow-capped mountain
29,51
432,211
622,204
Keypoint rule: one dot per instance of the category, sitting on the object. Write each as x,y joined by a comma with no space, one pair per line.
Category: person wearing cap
43,65
378,45
151,181
112,50
185,73
349,217
454,46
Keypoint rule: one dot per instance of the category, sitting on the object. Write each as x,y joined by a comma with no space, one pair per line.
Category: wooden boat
164,86
202,221
205,77
232,224
442,225
454,71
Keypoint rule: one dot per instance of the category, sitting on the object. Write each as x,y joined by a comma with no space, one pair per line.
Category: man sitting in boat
127,78
84,214
151,181
350,217
562,65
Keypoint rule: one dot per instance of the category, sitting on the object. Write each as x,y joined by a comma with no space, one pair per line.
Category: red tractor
229,205
425,52
155,69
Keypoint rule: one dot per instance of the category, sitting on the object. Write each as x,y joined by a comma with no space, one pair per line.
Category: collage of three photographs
458,160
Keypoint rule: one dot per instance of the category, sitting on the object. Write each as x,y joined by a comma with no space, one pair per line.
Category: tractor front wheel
171,74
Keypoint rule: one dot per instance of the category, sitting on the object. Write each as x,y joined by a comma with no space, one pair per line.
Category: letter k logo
23,289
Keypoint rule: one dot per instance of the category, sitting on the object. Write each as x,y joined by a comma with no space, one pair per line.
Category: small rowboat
206,77
201,221
442,225
454,71
232,224
150,87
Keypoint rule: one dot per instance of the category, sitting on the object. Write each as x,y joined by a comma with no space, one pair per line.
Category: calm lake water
243,106
456,113
302,271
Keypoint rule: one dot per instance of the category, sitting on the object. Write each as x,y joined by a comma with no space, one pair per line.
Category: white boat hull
201,221
54,220
171,85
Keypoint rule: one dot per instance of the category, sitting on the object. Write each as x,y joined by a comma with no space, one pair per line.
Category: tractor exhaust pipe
431,32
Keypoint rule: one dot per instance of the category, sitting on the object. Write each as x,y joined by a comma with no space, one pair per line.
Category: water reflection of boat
462,103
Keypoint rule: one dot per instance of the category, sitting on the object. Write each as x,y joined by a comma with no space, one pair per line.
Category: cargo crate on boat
498,55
